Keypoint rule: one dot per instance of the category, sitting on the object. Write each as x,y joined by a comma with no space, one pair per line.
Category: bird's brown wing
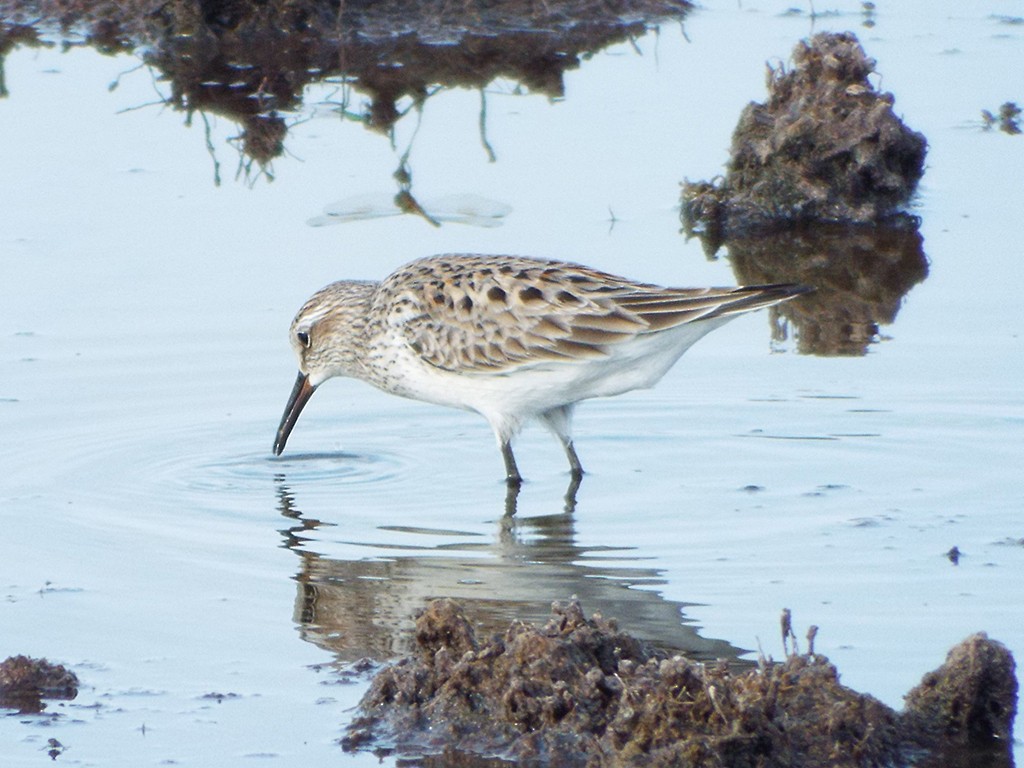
470,313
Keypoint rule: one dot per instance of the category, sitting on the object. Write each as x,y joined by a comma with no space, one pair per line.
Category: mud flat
581,692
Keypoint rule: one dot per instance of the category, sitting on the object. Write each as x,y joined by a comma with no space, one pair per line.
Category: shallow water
208,594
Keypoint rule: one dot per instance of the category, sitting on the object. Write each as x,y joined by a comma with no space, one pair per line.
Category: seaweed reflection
366,608
253,62
861,273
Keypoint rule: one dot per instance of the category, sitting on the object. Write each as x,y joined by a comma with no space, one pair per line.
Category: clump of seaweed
971,699
25,682
579,692
825,146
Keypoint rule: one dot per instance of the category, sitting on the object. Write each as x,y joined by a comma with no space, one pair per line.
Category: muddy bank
25,682
825,146
579,692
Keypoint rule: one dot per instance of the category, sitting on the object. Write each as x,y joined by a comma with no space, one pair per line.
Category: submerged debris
25,682
825,146
580,692
1007,118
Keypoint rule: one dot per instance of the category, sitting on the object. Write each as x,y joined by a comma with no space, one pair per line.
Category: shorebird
510,337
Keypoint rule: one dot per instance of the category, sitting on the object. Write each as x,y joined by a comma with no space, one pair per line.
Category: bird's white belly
532,389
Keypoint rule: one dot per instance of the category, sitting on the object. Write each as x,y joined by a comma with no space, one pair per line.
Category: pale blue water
152,542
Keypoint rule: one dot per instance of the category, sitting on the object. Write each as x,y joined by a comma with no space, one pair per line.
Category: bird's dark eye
303,338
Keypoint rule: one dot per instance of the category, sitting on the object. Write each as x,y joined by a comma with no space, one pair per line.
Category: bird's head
327,338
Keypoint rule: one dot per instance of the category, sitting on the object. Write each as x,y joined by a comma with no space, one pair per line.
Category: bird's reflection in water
512,496
366,608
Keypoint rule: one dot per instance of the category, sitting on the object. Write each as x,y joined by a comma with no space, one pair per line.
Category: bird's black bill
300,395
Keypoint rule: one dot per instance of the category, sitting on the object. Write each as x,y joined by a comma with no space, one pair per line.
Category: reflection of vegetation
15,36
251,61
366,607
469,209
860,272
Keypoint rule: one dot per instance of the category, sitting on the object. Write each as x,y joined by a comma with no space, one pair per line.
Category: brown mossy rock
579,692
825,146
25,682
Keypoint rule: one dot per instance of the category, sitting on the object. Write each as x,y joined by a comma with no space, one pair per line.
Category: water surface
209,595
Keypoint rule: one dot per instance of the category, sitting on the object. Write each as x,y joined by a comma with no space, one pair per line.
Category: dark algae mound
530,693
815,192
969,703
825,146
25,682
581,692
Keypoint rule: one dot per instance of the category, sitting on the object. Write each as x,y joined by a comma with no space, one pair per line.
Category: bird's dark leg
512,476
570,492
511,498
575,468
559,421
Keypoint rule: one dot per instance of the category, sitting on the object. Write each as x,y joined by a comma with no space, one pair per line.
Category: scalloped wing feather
474,313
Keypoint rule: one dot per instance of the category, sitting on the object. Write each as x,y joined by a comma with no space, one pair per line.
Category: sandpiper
510,337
